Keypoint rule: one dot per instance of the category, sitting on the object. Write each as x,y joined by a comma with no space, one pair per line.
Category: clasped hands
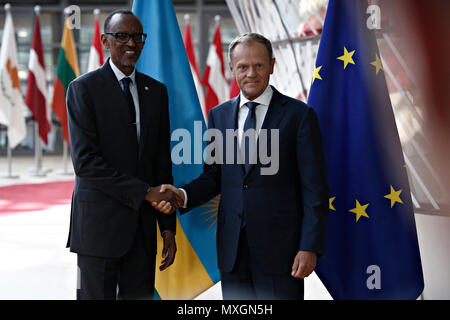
165,198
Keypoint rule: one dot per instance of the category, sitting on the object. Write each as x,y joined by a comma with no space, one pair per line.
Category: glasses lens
139,37
122,37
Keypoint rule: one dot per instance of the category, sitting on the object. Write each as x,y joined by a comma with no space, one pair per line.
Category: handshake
165,198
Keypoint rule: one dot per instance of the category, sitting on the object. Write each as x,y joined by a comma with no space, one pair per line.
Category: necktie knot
126,82
252,106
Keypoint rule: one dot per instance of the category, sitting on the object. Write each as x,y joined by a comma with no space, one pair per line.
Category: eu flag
164,58
372,250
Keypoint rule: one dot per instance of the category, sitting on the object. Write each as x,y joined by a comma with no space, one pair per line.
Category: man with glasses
120,144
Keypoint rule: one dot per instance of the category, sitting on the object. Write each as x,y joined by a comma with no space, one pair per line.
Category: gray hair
248,38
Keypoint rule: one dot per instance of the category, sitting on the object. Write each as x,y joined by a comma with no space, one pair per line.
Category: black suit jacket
114,172
286,212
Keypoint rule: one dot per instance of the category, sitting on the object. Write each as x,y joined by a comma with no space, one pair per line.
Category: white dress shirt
263,104
133,90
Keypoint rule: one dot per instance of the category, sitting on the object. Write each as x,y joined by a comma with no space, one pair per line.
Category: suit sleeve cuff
185,197
162,233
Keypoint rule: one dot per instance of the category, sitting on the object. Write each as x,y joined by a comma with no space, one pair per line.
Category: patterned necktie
250,123
126,90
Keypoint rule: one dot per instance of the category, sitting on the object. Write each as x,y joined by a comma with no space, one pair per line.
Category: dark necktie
250,123
126,90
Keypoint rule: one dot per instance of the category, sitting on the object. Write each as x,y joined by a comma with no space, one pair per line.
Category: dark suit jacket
114,172
286,212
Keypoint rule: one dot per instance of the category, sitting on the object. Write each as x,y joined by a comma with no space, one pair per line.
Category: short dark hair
248,38
109,17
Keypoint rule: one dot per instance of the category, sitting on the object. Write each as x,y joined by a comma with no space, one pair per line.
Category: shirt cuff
162,233
185,198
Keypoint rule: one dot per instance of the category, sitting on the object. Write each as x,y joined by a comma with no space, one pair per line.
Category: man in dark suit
271,227
120,144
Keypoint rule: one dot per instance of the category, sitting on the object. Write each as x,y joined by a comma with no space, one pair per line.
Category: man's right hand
167,200
165,206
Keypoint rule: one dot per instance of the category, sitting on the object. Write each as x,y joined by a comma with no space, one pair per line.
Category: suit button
245,186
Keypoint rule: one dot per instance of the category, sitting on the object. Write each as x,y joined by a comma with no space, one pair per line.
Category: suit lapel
232,123
275,111
149,111
144,93
272,119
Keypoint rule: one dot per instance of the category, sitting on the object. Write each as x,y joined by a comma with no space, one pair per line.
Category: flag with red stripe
189,46
36,96
217,89
96,56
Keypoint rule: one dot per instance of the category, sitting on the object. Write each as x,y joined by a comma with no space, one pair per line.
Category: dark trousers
129,277
247,282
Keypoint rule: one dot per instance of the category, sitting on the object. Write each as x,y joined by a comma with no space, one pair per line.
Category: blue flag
164,58
372,250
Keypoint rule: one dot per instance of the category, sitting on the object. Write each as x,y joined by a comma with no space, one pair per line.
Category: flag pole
9,174
37,171
65,171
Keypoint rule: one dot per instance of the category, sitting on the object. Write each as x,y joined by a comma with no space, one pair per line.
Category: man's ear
105,41
272,64
230,65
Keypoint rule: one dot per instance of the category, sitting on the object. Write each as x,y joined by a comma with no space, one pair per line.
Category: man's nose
251,72
131,42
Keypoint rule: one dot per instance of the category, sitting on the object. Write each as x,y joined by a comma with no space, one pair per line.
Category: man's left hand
304,264
169,250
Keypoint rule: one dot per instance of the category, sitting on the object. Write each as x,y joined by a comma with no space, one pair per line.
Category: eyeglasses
125,37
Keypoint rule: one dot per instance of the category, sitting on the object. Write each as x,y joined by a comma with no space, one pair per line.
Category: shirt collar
119,74
263,99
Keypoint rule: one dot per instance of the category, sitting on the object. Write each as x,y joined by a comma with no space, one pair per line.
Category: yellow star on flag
377,63
394,196
316,74
331,204
347,57
360,210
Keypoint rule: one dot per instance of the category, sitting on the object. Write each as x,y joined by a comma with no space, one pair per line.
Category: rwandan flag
164,58
372,250
67,70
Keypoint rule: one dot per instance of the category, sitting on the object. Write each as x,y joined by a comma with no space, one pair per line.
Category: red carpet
33,197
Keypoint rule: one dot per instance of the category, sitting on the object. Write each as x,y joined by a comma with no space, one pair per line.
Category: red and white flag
36,96
217,89
96,56
11,101
189,46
